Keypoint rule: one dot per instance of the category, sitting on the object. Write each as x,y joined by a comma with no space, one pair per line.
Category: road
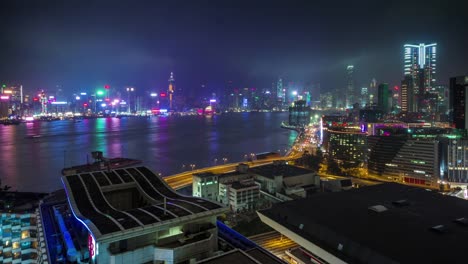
274,242
184,179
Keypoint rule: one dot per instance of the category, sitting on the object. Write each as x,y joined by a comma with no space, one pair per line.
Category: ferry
100,164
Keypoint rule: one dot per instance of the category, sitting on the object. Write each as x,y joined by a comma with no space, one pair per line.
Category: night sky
83,44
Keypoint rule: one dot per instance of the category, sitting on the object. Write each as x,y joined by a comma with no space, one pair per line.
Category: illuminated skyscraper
171,89
350,92
280,92
383,98
373,92
420,64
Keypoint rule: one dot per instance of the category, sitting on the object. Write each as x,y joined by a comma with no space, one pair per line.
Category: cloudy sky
85,44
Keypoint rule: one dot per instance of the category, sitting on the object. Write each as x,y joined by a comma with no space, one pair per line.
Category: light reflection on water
163,143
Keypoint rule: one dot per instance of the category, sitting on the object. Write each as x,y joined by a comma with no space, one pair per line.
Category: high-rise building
373,92
171,89
420,64
442,98
364,96
350,93
407,95
458,101
299,114
383,98
280,93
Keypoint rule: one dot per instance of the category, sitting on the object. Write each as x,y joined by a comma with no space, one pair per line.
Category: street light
215,161
192,166
225,159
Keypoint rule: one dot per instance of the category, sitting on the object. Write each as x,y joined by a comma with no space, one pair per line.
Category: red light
85,104
107,99
396,88
107,87
35,99
163,95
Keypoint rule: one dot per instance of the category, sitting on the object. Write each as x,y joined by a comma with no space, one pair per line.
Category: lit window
24,234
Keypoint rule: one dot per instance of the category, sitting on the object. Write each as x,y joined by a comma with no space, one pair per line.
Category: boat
8,122
34,136
100,164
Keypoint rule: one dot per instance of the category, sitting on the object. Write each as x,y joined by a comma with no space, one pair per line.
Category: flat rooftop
419,226
272,170
128,199
204,174
254,256
238,185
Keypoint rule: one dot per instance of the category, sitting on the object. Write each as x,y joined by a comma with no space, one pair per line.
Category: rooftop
128,199
254,256
272,170
386,223
204,174
238,185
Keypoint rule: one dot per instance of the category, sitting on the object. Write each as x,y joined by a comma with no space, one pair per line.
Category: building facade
350,87
299,114
239,195
458,101
383,98
420,64
346,145
132,216
19,238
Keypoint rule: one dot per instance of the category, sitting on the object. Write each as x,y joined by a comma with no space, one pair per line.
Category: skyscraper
373,92
280,93
420,64
171,89
458,101
383,98
350,92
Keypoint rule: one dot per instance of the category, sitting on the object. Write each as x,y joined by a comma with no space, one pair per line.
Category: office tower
373,92
407,95
396,102
420,64
383,98
458,97
364,96
171,89
442,98
350,93
280,93
299,114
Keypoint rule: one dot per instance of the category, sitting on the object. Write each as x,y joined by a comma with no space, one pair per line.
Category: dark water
164,144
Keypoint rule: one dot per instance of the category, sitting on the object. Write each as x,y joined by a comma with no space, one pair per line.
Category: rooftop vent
401,203
461,221
439,228
378,208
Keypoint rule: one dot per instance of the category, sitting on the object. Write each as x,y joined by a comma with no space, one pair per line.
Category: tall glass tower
421,58
420,64
350,92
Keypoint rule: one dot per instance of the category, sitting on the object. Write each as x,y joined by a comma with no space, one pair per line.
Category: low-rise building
239,195
386,224
278,176
132,216
205,185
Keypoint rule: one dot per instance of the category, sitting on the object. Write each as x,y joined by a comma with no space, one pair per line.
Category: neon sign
91,246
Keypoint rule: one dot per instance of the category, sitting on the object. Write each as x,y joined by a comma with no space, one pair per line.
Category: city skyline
252,45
